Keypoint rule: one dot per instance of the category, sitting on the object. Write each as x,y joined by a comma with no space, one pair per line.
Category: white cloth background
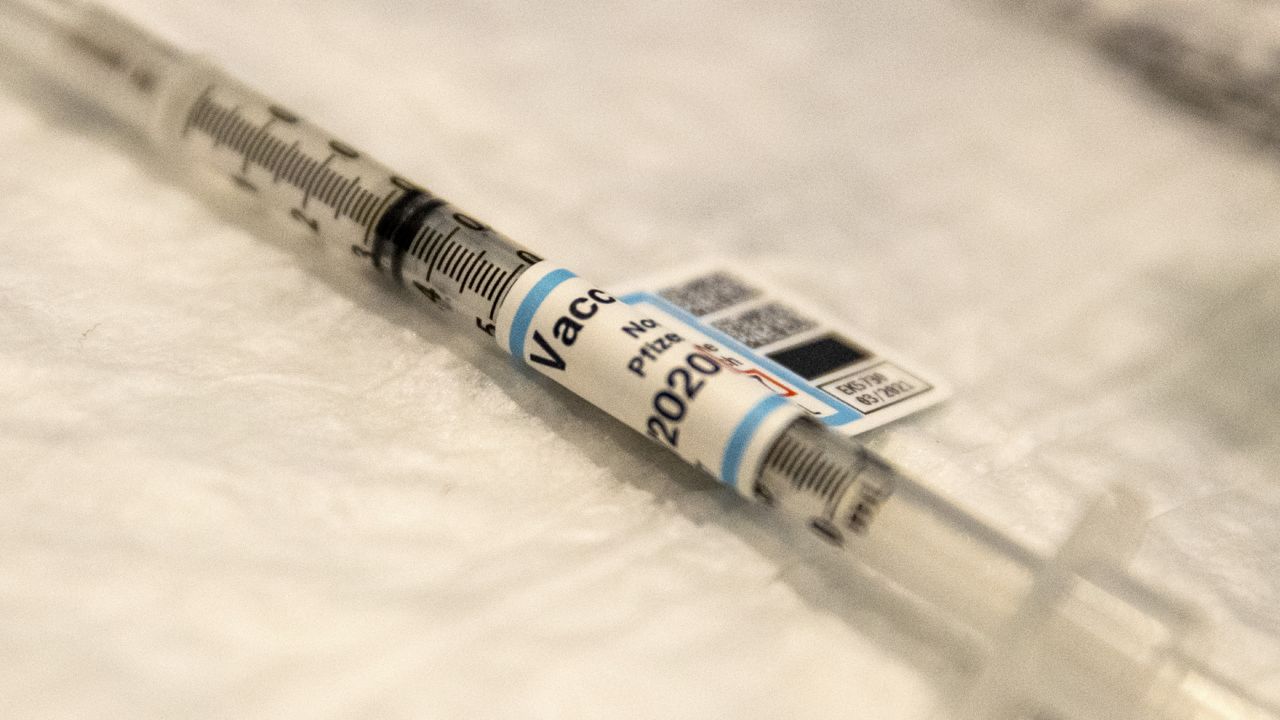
233,484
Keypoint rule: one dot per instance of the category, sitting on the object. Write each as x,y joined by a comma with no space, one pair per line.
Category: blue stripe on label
529,307
742,435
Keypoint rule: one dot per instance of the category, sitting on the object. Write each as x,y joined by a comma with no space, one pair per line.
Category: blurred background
237,485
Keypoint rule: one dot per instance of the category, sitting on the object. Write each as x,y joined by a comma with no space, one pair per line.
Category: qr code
764,325
709,293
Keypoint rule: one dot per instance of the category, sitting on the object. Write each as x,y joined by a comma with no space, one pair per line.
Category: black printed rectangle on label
819,356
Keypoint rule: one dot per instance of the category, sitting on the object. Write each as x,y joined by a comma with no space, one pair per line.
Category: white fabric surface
240,485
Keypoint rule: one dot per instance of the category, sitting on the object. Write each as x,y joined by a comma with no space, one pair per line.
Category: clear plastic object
1067,637
1062,637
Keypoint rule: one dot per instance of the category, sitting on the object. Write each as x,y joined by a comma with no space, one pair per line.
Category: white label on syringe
643,372
840,376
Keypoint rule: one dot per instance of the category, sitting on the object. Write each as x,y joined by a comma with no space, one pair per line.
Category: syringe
1071,636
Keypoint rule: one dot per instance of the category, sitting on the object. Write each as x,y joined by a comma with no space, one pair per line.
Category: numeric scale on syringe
1046,643
283,163
448,256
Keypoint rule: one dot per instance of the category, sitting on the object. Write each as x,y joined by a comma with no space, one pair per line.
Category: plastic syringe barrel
100,56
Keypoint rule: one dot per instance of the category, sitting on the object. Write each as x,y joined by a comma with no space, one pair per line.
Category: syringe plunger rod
1067,636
